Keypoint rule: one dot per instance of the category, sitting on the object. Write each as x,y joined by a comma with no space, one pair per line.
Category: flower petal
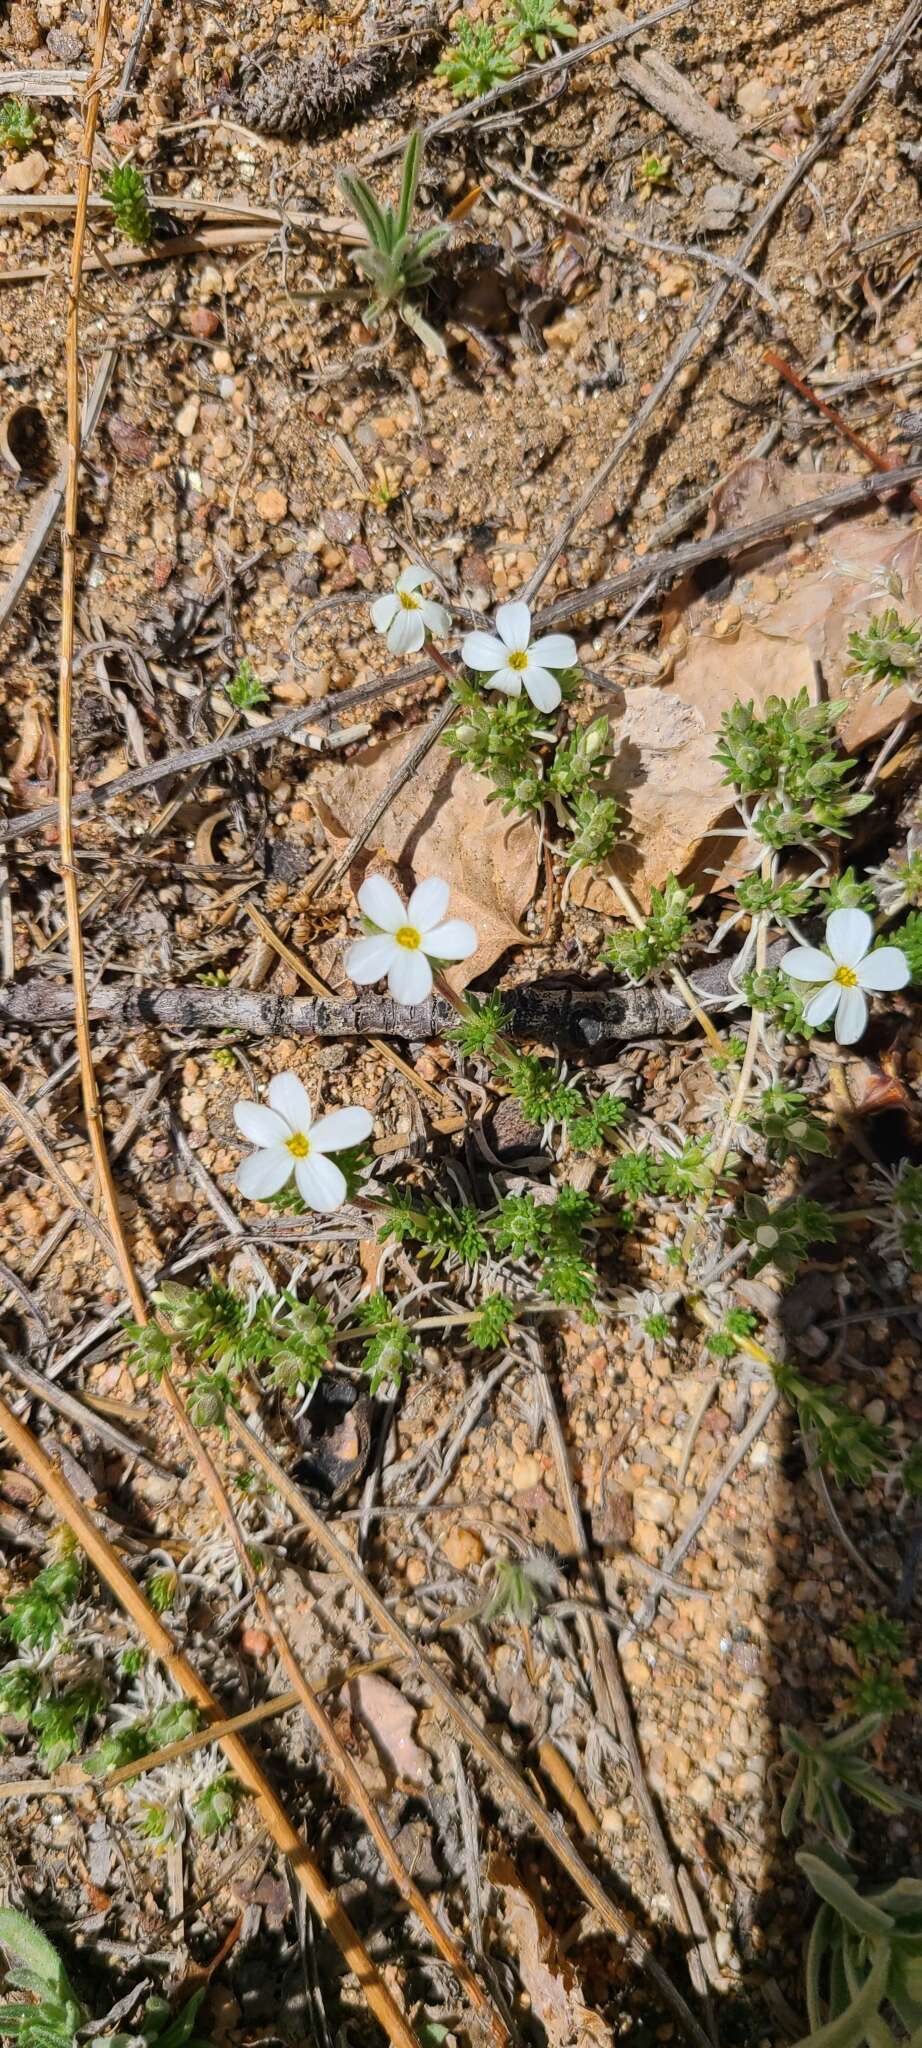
848,936
379,901
820,1007
455,940
264,1173
509,680
888,967
483,651
260,1126
542,688
556,650
407,633
383,611
851,1016
435,617
410,977
807,963
428,904
290,1098
412,577
370,959
320,1183
513,624
343,1127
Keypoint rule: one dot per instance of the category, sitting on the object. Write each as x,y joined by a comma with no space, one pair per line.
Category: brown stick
685,348
800,384
559,1844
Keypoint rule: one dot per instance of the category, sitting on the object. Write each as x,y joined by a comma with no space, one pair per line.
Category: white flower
291,1143
844,971
406,939
512,660
404,618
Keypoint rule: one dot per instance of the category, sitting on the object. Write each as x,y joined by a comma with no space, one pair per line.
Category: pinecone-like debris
300,96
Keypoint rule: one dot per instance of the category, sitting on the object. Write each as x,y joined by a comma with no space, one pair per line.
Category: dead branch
550,1013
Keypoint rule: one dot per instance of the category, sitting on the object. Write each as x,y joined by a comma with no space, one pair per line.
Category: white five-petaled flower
844,971
291,1143
512,660
405,618
405,939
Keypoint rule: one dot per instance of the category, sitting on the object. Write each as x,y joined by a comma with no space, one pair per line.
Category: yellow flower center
518,661
298,1145
846,977
408,601
409,938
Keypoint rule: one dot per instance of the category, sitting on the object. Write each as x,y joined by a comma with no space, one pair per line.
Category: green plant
134,1739
390,1348
290,1340
775,997
738,1323
765,896
61,1720
508,741
127,195
483,1022
552,1234
395,261
787,770
520,1588
245,691
160,2028
660,939
783,1121
909,938
37,1614
654,171
888,652
829,1766
438,1229
488,1328
19,125
475,61
782,1237
538,24
635,1176
53,2021
851,1446
847,892
863,1956
690,1171
215,1807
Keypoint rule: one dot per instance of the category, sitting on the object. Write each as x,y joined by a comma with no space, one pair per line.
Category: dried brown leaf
549,1979
391,1723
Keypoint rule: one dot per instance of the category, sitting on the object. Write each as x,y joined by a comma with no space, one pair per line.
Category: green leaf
361,198
849,2028
842,1896
27,1945
412,166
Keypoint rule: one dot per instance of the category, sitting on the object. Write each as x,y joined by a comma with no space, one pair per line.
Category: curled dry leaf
441,823
796,609
391,1723
549,1979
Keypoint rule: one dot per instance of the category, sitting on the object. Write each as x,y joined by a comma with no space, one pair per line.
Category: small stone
701,1790
254,1642
271,504
203,321
526,1473
416,1571
187,416
26,174
65,45
654,1504
463,1549
755,97
24,28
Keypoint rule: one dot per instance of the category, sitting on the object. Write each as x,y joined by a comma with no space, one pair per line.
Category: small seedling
19,125
127,195
889,653
395,261
653,172
476,61
245,691
826,1768
642,953
538,24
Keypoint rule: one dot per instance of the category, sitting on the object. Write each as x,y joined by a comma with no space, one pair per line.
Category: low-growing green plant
783,1121
782,1236
390,1348
477,60
850,1446
396,261
127,195
738,1323
54,2018
509,741
829,1766
659,942
488,1329
245,691
788,771
653,172
19,125
538,24
862,1957
775,997
888,652
909,939
215,1806
37,1614
520,1588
